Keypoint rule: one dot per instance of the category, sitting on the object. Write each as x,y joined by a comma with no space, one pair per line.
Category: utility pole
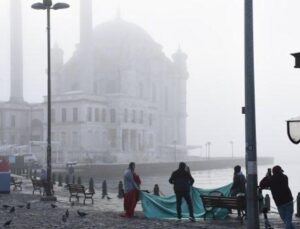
251,162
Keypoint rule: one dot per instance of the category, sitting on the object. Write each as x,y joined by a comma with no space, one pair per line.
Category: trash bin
4,176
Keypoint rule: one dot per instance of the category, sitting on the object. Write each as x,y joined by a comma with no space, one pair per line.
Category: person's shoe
178,220
192,219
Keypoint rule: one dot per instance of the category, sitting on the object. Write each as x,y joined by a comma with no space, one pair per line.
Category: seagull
81,214
107,197
12,210
53,206
5,206
67,213
64,218
20,206
7,223
28,205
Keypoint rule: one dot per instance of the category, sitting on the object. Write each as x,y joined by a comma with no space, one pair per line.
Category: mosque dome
121,44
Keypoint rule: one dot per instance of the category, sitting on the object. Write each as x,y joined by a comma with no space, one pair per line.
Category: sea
213,178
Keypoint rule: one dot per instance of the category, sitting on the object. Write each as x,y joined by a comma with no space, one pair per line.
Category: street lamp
47,5
293,130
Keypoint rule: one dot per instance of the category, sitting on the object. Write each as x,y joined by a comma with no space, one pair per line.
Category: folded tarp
165,206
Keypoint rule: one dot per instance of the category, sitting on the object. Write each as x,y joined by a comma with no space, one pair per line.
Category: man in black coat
182,181
282,195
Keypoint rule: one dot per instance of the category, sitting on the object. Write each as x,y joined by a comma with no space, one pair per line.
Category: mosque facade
118,98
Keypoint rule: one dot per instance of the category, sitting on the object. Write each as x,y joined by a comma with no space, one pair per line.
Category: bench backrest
36,183
76,188
223,202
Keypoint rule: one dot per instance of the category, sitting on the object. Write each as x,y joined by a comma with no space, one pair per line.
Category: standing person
131,189
182,181
239,184
282,195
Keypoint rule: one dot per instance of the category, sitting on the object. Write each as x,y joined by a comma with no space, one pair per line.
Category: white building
117,99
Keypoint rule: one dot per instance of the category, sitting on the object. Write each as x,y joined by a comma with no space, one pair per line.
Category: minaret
179,63
16,55
86,73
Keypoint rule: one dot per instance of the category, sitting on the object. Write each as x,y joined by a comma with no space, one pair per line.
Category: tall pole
251,164
48,189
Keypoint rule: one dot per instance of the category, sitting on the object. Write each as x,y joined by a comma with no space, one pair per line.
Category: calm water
210,179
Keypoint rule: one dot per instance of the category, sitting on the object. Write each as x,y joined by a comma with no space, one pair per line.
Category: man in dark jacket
278,183
182,181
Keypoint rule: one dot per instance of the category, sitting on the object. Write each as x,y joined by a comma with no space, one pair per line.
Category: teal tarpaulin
165,206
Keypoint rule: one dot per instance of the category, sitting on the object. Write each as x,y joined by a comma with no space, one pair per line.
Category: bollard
120,190
67,180
298,205
156,190
59,180
78,180
267,202
53,178
104,189
91,186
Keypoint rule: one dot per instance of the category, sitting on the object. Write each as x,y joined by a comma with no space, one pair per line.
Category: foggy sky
211,33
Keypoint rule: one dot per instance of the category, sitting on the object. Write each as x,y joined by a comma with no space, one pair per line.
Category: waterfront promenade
103,214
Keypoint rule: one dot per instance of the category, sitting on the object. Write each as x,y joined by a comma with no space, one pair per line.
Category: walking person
282,195
131,190
182,181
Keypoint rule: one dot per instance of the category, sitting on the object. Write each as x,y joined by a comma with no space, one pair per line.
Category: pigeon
20,206
28,205
7,223
12,210
107,197
81,214
67,213
64,218
5,206
53,206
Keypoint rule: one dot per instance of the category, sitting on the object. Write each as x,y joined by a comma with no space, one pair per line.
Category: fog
211,33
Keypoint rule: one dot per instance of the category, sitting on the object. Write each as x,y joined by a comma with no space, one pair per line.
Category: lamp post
250,123
47,5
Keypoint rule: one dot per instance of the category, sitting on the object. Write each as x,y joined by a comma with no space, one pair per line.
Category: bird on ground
64,218
81,214
107,197
7,223
12,210
20,206
67,213
53,206
28,205
5,206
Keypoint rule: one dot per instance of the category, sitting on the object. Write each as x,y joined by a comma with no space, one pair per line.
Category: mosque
118,98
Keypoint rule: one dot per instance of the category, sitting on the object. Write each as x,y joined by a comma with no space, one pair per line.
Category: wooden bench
210,203
16,183
78,190
40,185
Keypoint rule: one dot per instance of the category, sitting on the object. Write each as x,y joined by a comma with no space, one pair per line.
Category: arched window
141,116
64,115
125,115
103,115
112,115
96,115
133,118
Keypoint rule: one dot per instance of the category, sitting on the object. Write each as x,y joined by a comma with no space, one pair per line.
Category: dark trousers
187,197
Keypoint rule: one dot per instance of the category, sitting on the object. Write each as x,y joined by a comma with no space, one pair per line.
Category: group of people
182,181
